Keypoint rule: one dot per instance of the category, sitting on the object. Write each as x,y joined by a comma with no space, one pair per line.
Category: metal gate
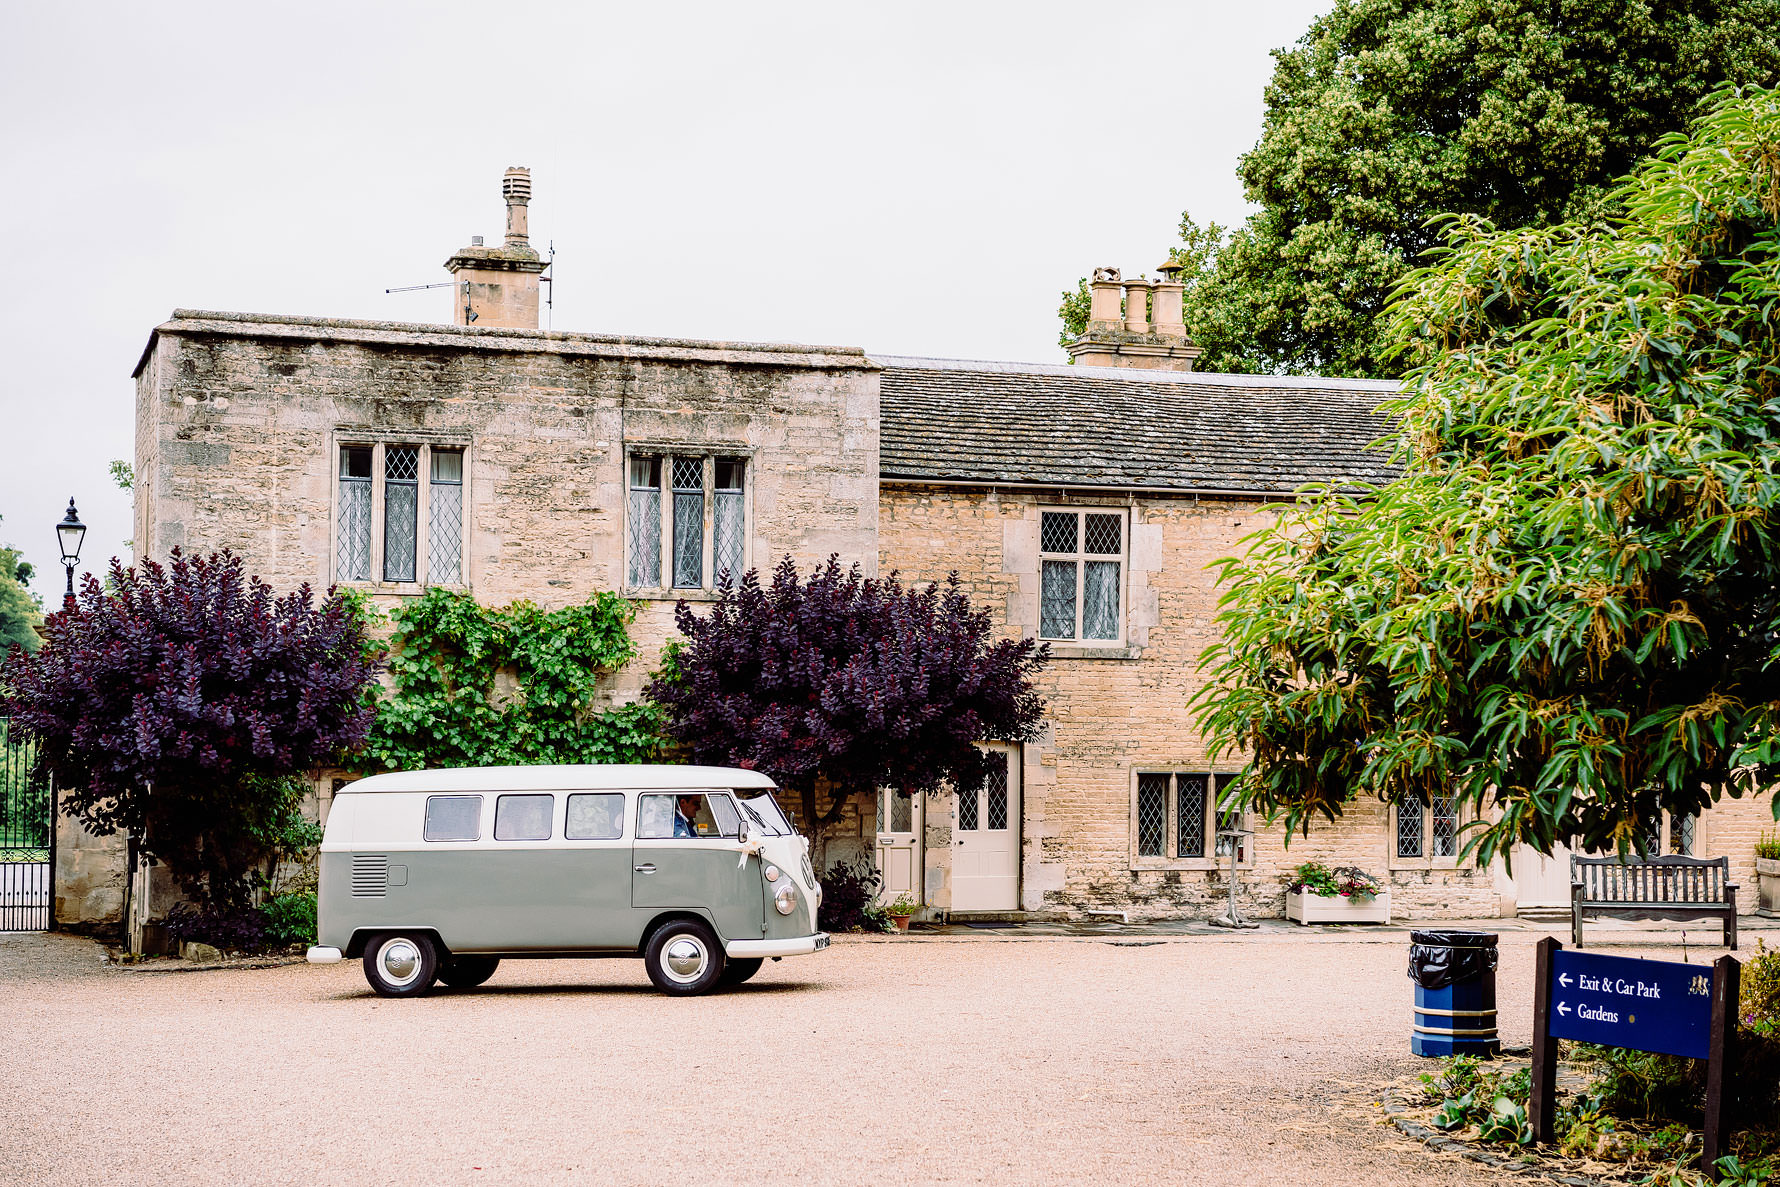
27,837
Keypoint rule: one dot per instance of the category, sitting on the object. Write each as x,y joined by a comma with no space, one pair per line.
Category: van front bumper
796,946
324,956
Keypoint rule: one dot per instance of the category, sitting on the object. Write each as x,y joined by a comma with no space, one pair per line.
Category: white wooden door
1541,883
986,839
899,845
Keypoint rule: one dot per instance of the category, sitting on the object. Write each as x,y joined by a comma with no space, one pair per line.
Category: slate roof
959,421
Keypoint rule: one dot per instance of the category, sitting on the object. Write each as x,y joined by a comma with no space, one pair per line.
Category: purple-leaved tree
847,683
169,702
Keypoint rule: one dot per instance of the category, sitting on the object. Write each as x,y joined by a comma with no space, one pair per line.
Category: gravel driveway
893,1061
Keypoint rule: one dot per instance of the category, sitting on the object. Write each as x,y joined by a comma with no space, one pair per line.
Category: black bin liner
1441,958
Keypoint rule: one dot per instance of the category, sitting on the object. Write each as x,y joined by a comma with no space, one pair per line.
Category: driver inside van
686,809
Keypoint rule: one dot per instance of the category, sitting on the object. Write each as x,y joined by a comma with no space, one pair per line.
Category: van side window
595,817
523,817
728,819
685,814
453,817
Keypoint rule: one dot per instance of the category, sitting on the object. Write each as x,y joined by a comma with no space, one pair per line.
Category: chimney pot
516,188
475,241
1137,306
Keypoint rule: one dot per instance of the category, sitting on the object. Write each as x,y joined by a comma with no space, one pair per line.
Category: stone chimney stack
1147,332
498,286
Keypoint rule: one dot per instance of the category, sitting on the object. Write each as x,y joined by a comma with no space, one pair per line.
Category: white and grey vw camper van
440,874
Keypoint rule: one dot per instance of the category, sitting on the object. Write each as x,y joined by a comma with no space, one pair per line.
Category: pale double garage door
985,841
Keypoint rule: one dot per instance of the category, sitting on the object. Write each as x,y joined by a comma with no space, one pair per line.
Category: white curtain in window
1100,600
645,537
355,529
727,530
445,518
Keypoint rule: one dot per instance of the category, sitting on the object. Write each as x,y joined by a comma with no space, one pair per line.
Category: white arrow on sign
1564,980
1563,1008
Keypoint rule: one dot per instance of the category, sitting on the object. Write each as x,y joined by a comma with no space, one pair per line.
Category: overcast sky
910,178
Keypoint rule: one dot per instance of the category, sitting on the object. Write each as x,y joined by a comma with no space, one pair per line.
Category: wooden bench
1652,888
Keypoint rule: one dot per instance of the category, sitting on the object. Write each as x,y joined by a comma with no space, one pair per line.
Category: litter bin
1455,992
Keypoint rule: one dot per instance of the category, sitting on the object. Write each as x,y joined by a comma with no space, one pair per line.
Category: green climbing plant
473,685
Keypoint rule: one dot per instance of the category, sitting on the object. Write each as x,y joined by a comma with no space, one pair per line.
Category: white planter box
1767,879
1314,908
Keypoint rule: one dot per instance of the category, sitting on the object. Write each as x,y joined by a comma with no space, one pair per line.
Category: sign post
1646,1005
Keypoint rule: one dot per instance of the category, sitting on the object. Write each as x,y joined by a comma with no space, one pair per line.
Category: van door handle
645,869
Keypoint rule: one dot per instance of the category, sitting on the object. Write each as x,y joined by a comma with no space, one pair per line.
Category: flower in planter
1355,883
1313,877
902,905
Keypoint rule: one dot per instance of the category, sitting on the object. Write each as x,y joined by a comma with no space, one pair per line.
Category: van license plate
821,942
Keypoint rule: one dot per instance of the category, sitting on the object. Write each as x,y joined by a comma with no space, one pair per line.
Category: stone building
1082,504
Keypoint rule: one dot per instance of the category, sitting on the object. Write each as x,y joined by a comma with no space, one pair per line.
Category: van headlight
785,898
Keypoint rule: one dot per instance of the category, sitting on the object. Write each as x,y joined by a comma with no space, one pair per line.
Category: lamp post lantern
70,532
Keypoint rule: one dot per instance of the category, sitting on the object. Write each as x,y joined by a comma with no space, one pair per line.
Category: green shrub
1768,846
290,918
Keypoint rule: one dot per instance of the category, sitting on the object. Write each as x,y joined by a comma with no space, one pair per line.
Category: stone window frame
1427,861
1079,646
378,441
709,454
1245,855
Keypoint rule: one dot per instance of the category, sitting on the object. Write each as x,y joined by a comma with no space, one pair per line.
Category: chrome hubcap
400,961
684,958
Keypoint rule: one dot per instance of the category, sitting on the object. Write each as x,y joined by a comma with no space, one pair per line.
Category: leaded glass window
1177,816
689,522
902,812
1080,575
401,511
1409,828
1056,615
1682,831
416,494
445,517
1152,815
1443,825
727,523
645,521
1190,796
353,551
995,793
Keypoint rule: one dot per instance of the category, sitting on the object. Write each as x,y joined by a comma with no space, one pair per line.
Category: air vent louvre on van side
370,875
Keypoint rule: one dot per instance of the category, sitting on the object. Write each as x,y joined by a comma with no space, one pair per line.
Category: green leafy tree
1390,112
1565,612
20,612
472,685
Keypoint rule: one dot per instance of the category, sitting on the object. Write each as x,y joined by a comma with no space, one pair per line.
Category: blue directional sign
1647,1005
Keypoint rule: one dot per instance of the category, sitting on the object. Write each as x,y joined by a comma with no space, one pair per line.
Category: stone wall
89,890
1115,710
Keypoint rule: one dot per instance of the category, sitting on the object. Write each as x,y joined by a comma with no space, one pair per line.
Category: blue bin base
1466,1006
1435,1046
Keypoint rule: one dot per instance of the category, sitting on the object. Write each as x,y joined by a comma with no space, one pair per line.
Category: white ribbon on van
750,845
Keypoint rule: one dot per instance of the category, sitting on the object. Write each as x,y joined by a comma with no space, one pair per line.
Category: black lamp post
70,532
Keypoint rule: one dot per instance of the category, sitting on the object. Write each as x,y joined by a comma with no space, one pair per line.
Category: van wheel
400,965
684,958
467,972
737,970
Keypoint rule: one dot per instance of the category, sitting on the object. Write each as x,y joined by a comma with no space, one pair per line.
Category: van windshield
763,810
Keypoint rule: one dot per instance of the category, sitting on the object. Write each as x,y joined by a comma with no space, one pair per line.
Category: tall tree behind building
20,611
1389,112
